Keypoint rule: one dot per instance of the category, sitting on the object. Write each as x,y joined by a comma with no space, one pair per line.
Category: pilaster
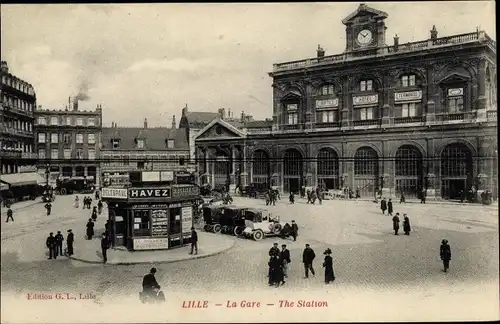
430,111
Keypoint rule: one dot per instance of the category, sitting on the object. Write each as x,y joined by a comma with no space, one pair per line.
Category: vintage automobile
259,223
255,190
225,219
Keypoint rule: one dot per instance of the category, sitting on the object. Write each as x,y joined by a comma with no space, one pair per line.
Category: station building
405,117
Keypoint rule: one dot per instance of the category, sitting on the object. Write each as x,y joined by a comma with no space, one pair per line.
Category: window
140,165
54,121
41,137
170,143
67,153
91,122
327,116
408,80
54,138
79,121
455,105
41,154
327,90
41,120
116,144
91,154
365,113
293,119
54,154
140,144
79,138
141,223
410,109
366,85
182,160
79,154
67,138
91,138
68,121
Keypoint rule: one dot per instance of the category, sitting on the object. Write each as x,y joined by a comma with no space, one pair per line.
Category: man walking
445,253
395,224
69,242
51,245
383,206
104,247
9,215
48,206
285,259
194,241
390,210
307,258
59,243
295,231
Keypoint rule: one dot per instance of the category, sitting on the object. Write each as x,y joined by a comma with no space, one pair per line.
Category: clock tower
365,29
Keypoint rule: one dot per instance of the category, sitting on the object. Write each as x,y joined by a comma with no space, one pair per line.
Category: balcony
29,156
456,118
370,123
296,127
409,120
15,132
9,108
443,42
10,154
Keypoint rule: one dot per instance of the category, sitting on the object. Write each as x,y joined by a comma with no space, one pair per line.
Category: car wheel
238,230
63,191
217,228
276,229
206,228
258,235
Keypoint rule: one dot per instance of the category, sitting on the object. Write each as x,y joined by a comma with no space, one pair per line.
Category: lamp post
47,174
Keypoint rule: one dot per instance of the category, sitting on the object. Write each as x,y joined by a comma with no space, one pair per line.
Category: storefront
151,218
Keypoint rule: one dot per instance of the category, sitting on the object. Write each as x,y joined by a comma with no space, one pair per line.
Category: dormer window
292,113
170,143
327,90
366,85
140,144
115,143
408,80
455,100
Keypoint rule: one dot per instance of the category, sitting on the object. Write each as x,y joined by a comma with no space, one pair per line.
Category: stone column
430,115
481,88
244,165
345,116
386,108
431,172
388,173
309,103
232,175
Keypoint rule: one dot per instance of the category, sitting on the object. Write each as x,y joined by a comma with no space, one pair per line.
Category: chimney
229,114
4,67
320,51
185,110
434,33
222,113
242,116
145,123
75,104
173,122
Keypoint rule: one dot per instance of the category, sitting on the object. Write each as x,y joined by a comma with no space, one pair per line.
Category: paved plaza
368,257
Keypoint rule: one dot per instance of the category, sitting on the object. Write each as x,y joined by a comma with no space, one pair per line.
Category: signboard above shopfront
365,100
149,193
166,176
187,191
409,95
150,176
114,193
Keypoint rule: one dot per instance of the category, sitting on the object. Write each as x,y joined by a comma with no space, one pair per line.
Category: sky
150,60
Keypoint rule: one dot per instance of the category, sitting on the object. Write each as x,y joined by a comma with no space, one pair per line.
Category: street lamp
47,174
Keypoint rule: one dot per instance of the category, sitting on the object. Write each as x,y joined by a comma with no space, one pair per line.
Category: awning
21,179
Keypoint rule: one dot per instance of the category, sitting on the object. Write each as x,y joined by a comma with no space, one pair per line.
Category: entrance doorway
452,188
292,170
292,185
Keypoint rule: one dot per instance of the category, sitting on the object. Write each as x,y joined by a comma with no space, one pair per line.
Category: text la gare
229,304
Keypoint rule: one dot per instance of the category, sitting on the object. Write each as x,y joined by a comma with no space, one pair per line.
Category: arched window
408,80
221,168
366,85
366,162
456,161
328,168
408,161
292,170
260,167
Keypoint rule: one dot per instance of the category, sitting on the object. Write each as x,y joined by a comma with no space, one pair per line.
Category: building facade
402,118
68,142
126,151
17,140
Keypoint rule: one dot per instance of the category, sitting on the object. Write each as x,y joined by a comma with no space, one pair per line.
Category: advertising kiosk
151,218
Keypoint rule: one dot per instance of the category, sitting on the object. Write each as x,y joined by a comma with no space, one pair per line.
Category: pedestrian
423,196
107,228
59,243
318,194
274,251
402,200
9,215
99,207
69,242
285,259
90,229
77,202
194,241
307,258
406,225
104,247
48,207
445,253
275,271
295,231
395,224
389,207
84,202
94,213
291,198
97,195
90,202
51,245
357,193
328,265
309,196
268,198
383,206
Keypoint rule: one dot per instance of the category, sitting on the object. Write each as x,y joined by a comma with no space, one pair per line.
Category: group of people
55,244
280,259
271,196
87,202
387,206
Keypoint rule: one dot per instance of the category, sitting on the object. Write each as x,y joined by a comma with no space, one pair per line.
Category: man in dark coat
194,241
395,224
383,205
328,265
99,207
389,207
69,242
406,225
445,253
97,195
90,229
291,198
307,258
423,196
104,247
402,199
94,214
285,259
9,215
276,271
51,245
357,193
149,283
295,231
59,243
273,252
48,206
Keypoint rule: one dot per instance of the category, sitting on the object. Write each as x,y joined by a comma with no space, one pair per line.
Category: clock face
365,37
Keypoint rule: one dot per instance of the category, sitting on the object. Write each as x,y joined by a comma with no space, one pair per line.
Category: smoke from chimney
83,92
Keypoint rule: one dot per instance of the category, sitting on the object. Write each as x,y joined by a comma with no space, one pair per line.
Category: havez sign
149,193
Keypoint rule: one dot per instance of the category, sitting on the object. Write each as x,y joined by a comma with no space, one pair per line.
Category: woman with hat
445,253
328,265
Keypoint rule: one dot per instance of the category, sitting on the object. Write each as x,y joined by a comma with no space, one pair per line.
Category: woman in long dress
406,225
328,265
77,202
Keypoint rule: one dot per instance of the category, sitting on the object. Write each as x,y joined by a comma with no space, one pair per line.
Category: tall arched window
221,169
292,170
260,167
408,171
328,168
366,171
456,170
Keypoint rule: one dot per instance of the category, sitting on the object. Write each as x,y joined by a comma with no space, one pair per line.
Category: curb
428,202
160,262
